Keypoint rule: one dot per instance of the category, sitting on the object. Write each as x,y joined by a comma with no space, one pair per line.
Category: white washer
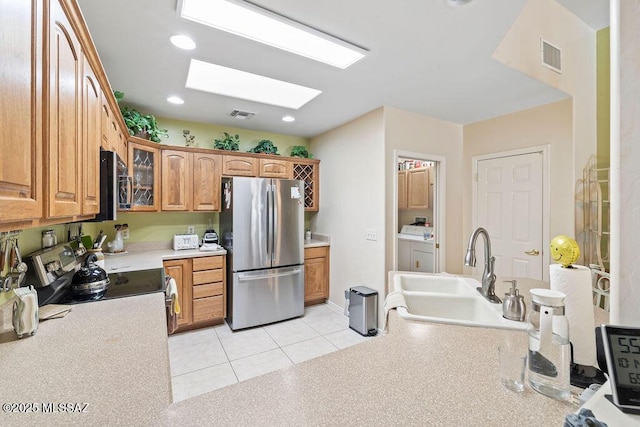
414,252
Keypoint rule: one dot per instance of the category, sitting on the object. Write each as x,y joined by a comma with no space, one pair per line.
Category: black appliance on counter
51,272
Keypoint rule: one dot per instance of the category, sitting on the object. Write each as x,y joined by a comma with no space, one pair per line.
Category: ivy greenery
229,143
142,125
300,151
265,146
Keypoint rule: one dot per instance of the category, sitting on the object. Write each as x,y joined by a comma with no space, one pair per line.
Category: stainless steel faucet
488,276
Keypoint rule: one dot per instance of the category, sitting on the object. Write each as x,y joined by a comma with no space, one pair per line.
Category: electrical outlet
191,229
372,234
125,234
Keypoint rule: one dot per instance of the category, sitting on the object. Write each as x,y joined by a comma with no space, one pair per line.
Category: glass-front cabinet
144,167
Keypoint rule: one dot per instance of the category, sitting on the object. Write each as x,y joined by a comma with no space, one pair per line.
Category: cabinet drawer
317,252
207,263
207,276
208,308
208,290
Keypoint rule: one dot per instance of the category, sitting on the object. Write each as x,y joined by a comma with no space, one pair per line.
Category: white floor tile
345,338
223,330
327,323
290,332
246,343
260,364
317,310
202,381
305,350
197,351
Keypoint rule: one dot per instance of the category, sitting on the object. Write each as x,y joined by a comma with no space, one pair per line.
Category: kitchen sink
449,299
434,283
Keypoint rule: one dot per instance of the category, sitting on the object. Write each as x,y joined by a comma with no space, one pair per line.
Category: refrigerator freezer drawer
265,296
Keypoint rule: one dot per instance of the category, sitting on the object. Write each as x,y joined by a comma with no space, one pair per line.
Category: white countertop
137,258
113,356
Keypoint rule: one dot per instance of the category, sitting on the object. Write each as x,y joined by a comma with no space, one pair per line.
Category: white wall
625,158
352,199
520,49
417,133
549,124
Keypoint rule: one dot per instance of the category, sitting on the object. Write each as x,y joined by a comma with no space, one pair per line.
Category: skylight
225,81
250,21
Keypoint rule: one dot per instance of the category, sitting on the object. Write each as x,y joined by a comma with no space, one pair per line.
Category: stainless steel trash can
363,310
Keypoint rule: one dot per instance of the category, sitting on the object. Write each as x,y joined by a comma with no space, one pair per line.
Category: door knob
533,252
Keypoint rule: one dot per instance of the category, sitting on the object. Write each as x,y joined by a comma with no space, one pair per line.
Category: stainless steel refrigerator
262,229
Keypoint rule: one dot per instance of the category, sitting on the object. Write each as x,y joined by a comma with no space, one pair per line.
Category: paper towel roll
575,283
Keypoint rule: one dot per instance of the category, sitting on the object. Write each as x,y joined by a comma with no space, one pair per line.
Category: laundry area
416,215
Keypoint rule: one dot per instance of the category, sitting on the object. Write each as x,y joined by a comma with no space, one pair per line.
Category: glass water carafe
549,348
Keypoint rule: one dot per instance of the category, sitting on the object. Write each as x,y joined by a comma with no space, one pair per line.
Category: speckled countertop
110,355
113,355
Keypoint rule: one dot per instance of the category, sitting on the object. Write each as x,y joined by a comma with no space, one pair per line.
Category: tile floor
212,358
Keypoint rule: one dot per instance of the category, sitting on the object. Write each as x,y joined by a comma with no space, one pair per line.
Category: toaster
185,241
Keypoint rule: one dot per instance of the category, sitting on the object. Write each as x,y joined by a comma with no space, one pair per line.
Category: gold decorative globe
564,250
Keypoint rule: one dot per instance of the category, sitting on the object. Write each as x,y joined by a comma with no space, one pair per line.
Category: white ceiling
423,57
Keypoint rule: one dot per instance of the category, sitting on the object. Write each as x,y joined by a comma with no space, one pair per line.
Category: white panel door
509,206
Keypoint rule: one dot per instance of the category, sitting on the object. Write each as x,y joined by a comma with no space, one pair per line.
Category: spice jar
49,238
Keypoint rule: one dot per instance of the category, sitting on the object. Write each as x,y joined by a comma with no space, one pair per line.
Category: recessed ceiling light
253,87
250,21
183,42
456,3
288,119
175,100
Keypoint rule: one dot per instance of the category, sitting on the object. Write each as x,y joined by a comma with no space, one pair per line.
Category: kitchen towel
393,300
172,293
575,283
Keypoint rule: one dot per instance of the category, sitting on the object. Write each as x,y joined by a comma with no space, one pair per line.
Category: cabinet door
180,270
21,110
143,165
418,189
206,181
239,166
91,139
105,124
176,180
316,274
421,261
402,189
64,144
404,255
275,168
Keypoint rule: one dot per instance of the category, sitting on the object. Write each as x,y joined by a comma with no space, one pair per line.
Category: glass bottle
549,348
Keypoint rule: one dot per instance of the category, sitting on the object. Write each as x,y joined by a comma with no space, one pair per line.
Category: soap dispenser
513,307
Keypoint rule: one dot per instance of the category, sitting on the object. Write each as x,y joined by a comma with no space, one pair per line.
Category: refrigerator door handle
243,278
274,211
270,222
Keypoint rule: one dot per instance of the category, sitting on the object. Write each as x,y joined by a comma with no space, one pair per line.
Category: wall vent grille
551,56
241,115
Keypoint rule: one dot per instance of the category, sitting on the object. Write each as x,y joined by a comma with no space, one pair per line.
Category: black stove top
121,284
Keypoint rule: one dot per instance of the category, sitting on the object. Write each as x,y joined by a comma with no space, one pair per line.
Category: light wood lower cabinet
316,275
201,290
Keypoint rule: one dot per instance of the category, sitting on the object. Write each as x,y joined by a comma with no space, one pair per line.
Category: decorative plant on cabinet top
141,125
265,146
228,143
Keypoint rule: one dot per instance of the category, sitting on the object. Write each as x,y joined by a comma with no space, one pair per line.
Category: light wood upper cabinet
402,189
275,168
63,157
308,170
91,139
177,181
239,166
144,165
413,188
418,188
206,181
21,111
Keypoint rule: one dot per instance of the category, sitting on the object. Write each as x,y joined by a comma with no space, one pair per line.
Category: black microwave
116,186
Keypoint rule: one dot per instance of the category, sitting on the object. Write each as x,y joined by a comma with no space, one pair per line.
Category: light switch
372,234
